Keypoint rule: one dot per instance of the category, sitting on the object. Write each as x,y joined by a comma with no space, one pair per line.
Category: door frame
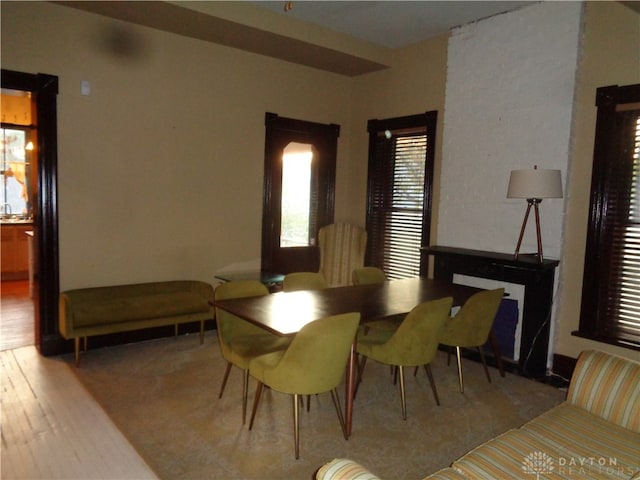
48,340
325,138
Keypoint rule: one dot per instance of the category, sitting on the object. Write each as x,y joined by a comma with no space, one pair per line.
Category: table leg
350,387
496,351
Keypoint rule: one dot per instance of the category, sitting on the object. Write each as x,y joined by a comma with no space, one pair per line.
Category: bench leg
76,343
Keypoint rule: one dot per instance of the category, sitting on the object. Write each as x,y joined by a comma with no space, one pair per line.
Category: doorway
299,192
42,89
18,187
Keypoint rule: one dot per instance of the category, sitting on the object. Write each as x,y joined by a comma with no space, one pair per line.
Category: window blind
610,310
623,218
399,202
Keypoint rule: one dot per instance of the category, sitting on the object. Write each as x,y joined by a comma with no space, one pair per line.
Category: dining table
285,313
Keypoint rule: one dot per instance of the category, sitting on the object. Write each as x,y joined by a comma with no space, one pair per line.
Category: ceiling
349,38
391,24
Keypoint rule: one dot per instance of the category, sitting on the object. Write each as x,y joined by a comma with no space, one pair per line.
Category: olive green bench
94,311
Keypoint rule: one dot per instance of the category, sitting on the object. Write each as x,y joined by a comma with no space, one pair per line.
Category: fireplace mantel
537,278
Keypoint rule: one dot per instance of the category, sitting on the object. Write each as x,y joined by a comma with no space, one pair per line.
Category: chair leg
360,366
224,379
256,400
201,332
484,363
496,352
296,425
433,384
245,395
403,398
459,369
336,403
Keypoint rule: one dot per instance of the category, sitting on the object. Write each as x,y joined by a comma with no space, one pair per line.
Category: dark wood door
289,240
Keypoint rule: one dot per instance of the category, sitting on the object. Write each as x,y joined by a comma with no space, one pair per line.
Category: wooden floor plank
16,315
52,427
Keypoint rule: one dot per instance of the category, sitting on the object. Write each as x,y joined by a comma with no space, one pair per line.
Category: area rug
163,396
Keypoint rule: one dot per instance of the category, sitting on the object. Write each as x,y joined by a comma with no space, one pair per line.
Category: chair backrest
229,325
472,324
303,281
416,339
317,356
342,248
368,276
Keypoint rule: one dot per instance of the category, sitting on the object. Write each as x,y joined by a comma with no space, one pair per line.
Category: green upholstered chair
414,343
471,326
368,276
342,248
303,281
240,341
315,362
371,276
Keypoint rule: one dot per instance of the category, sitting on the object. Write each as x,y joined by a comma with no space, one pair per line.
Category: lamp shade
536,183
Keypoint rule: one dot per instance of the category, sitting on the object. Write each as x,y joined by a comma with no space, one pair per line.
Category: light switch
85,87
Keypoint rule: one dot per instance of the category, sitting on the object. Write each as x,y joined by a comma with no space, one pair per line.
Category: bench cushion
138,308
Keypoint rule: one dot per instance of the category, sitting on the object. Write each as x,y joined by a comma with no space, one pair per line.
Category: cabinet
14,251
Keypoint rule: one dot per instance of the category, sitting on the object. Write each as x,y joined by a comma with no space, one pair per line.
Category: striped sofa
595,433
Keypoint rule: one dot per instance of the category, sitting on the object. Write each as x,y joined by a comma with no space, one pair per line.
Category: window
611,287
17,137
296,201
400,178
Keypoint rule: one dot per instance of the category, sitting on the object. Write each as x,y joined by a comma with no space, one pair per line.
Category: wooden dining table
285,313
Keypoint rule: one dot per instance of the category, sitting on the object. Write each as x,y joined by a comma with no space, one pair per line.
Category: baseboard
563,365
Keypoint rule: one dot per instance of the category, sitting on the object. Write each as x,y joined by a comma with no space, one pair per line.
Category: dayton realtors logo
539,463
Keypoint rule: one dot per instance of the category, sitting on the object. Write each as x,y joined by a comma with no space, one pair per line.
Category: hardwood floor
51,426
16,315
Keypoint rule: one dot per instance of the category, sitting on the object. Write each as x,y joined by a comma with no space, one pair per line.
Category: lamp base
531,202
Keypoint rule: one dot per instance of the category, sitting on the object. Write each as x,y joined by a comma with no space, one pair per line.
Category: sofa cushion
128,309
580,437
510,455
607,386
446,474
343,468
566,442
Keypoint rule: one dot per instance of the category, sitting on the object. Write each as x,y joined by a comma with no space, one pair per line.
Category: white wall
509,99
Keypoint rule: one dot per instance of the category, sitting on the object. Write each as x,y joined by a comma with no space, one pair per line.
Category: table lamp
534,185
